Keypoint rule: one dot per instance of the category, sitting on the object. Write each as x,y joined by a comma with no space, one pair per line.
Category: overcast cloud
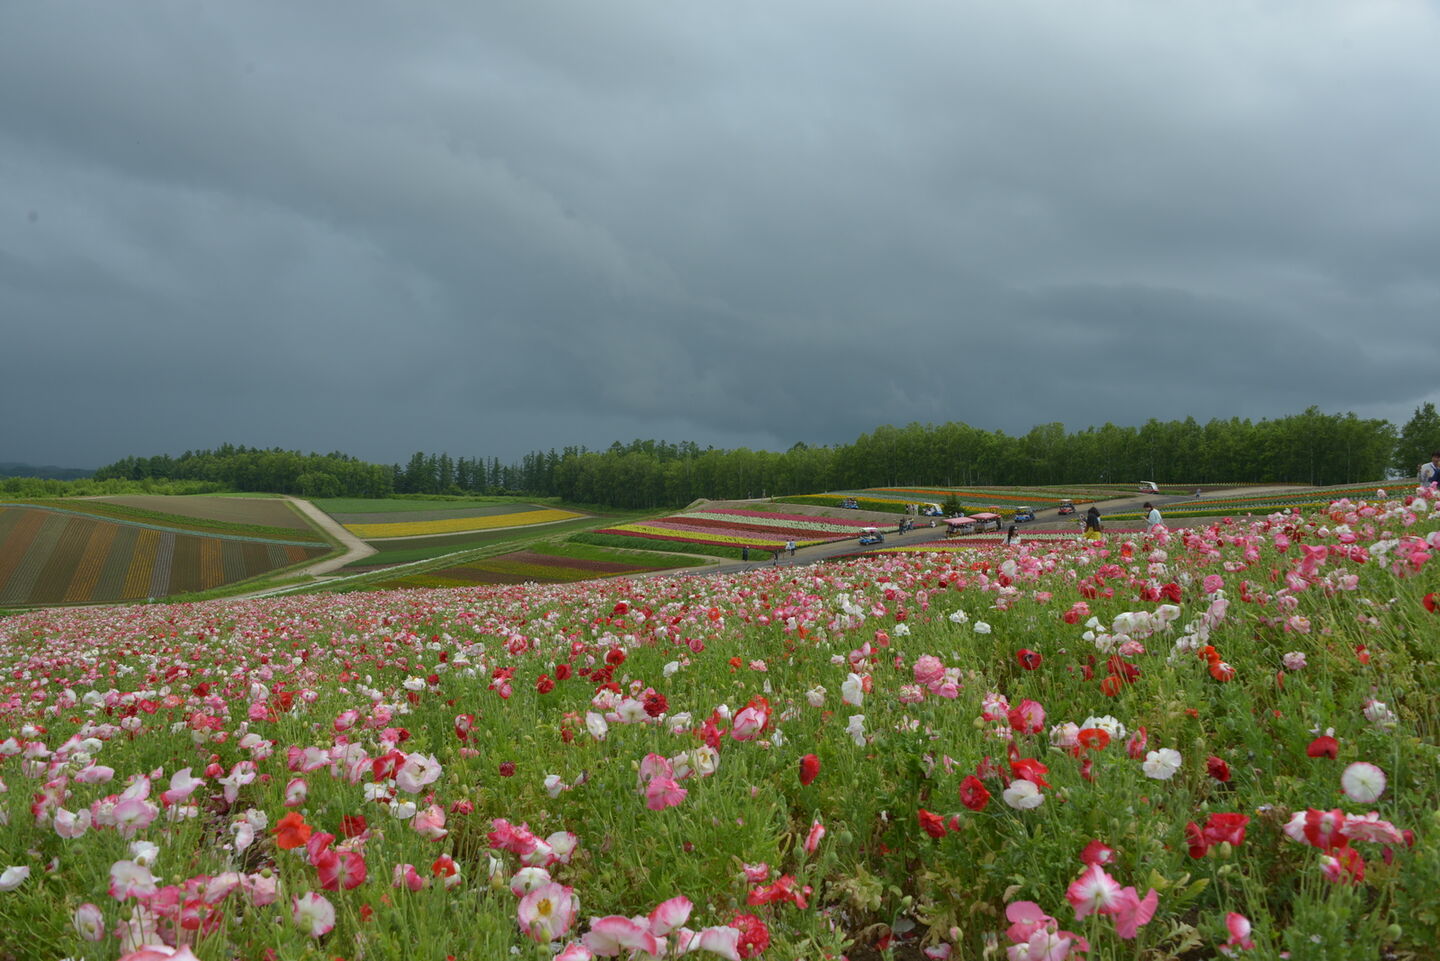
485,228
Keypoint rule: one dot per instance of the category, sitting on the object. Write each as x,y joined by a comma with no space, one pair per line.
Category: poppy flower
809,768
754,935
1031,770
1323,746
1431,602
973,793
1028,659
291,831
1092,739
932,823
1217,768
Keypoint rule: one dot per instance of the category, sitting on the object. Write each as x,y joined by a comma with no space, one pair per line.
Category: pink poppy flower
1094,891
1132,911
609,936
663,792
1098,853
296,790
430,823
669,915
130,880
13,876
1239,927
417,771
89,923
812,840
547,912
313,914
406,876
340,869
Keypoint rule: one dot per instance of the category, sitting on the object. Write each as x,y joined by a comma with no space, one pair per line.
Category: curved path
355,548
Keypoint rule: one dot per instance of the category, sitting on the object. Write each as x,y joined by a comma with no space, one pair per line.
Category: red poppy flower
932,823
1030,770
1217,768
754,935
1093,739
544,684
1028,659
1324,746
291,831
973,793
352,825
1431,602
1223,827
809,768
1097,852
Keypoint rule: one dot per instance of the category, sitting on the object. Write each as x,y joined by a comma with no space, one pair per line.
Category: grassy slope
122,512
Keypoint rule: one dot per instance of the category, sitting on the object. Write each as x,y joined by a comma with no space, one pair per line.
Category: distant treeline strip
1311,448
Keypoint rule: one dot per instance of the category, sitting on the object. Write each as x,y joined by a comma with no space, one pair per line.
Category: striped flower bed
742,528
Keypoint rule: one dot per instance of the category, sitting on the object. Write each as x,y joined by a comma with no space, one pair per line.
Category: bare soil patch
265,511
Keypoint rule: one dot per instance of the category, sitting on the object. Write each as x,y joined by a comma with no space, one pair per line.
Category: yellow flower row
455,525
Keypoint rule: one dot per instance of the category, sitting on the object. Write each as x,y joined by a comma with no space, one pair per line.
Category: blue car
1023,514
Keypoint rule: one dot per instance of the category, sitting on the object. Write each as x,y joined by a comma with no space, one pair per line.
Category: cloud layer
380,228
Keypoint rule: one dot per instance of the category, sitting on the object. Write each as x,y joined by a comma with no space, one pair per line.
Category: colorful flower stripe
912,495
752,521
457,524
761,517
789,533
661,534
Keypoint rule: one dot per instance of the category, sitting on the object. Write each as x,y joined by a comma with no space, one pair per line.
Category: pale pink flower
609,936
417,771
547,912
669,915
430,823
296,791
1023,795
313,914
526,880
723,940
13,876
128,879
133,815
748,723
72,825
575,952
182,785
89,923
1363,782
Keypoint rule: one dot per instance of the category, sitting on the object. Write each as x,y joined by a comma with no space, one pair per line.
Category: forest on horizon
1307,448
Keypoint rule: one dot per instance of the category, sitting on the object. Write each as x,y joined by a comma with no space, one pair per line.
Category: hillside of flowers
1176,744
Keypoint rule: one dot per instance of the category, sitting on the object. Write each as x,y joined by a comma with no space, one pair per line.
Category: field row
47,557
455,525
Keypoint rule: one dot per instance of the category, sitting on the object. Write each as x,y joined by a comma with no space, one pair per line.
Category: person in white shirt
1430,473
1152,518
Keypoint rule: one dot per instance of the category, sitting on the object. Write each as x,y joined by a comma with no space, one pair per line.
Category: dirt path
355,548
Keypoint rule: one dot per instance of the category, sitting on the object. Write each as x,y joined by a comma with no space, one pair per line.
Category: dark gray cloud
379,228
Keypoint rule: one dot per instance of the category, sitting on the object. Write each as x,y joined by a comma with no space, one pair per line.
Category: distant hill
8,469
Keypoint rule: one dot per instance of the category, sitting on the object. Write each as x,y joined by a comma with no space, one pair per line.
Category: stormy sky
485,228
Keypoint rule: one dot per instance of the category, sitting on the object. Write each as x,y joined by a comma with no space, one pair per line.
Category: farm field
56,557
379,525
264,511
1172,745
1263,502
542,565
735,528
192,515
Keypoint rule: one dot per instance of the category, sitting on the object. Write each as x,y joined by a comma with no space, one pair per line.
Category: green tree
1418,439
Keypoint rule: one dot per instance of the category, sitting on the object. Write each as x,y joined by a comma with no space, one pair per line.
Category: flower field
1194,743
756,530
1314,499
58,557
452,525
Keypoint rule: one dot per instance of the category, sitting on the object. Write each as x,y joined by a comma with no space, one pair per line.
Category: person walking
790,546
745,552
1152,518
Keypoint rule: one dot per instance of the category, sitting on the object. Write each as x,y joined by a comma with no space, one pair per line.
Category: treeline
275,471
1309,448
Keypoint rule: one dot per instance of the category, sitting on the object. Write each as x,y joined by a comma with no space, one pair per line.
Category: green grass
655,544
139,515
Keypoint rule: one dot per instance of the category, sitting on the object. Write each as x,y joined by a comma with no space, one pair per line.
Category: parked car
1023,514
